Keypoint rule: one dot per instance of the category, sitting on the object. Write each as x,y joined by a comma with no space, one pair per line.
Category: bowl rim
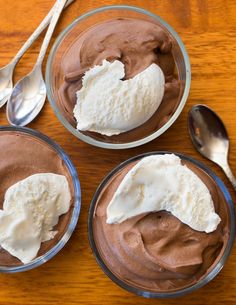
150,294
76,204
135,143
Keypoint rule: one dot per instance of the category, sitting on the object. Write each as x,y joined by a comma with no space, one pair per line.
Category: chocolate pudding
23,155
156,252
137,44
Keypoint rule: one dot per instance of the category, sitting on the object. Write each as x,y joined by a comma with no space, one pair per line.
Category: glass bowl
54,73
100,252
68,229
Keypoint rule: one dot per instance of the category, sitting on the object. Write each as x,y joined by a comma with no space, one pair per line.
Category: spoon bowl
208,133
27,98
210,137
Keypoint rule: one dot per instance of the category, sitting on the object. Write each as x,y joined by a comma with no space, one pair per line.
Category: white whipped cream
31,209
110,106
161,182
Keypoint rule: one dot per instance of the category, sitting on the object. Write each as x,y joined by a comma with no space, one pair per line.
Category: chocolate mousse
23,155
155,251
137,44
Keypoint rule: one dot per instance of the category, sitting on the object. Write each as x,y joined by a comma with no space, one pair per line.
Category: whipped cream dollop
31,209
109,105
161,182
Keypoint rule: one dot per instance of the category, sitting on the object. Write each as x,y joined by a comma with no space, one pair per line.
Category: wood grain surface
208,29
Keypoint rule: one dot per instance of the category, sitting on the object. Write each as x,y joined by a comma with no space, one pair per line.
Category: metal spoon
6,72
210,137
29,94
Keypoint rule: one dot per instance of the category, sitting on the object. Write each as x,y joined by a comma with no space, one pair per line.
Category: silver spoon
6,73
210,137
29,94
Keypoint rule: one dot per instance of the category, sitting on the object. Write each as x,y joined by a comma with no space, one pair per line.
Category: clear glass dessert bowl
129,260
55,77
37,154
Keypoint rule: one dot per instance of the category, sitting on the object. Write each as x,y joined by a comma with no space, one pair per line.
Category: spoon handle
35,34
56,14
229,174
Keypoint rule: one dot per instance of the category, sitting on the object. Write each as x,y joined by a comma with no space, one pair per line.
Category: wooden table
208,29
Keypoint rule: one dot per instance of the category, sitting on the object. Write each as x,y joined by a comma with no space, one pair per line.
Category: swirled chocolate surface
137,44
22,155
156,251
